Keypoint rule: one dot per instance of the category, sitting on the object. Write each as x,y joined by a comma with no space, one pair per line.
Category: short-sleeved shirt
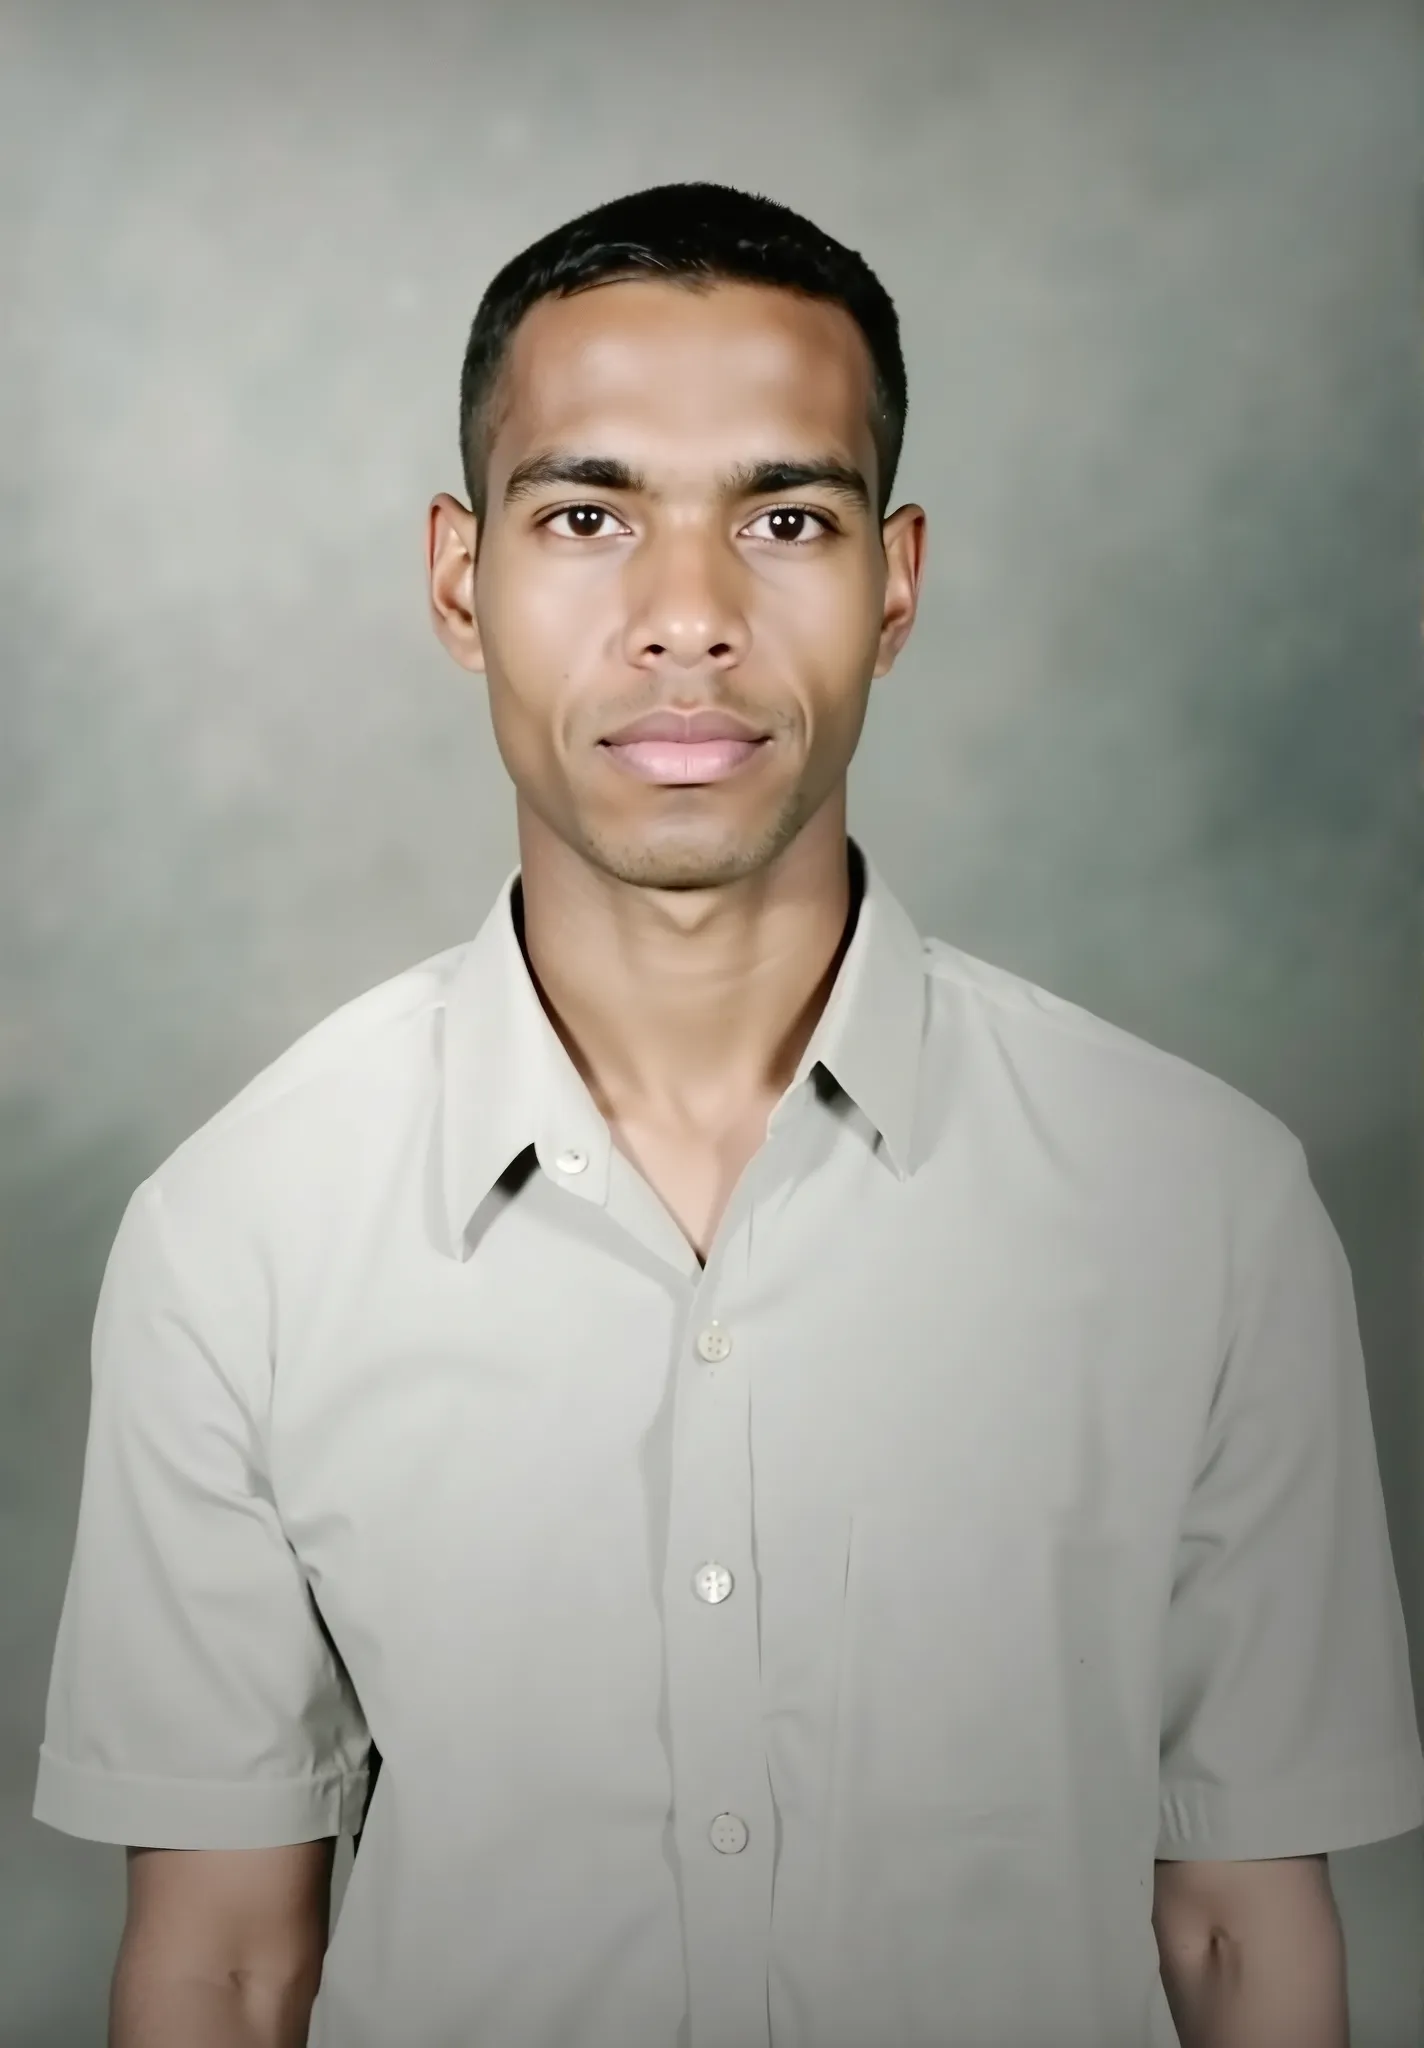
809,1650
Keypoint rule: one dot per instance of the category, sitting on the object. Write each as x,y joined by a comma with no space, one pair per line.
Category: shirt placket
721,1795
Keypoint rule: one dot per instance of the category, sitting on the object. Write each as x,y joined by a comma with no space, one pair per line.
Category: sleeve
1288,1719
195,1699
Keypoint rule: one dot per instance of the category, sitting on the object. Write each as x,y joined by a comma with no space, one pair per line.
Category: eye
584,522
788,524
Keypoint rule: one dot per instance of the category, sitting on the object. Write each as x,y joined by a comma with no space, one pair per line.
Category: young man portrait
795,1489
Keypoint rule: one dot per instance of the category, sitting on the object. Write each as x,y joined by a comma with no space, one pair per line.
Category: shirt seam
235,1113
323,1779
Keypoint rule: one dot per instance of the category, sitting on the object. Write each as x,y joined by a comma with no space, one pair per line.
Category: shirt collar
508,1080
869,1035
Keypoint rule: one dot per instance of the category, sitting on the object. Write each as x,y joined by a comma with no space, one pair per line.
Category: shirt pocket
957,1905
949,1660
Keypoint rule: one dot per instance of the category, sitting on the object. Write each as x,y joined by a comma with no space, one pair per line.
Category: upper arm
1252,1951
1196,1904
229,1916
1288,1719
196,1700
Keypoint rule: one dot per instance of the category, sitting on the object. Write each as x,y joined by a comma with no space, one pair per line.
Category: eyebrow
748,480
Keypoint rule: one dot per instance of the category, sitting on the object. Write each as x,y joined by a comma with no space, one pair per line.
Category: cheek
822,629
830,602
548,639
543,620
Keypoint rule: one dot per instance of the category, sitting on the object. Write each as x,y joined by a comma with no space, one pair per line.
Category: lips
688,728
693,747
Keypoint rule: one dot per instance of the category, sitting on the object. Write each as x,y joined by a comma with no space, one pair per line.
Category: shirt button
712,1582
728,1833
571,1162
713,1343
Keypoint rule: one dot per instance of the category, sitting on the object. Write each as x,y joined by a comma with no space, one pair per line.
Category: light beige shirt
813,1651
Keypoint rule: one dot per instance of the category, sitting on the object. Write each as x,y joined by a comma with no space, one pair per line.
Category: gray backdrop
1155,745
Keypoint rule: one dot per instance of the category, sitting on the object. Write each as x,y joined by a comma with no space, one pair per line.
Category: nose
685,607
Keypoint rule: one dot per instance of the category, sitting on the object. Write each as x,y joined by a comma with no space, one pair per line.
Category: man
838,1486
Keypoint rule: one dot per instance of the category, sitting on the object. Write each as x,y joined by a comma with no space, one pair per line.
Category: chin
705,857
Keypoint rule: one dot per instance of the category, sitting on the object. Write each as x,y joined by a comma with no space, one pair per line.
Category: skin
221,1948
1252,1954
684,942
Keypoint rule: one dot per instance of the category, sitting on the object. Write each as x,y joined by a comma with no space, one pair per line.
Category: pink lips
705,746
666,761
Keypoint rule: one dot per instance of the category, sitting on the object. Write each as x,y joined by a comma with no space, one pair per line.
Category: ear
451,533
903,535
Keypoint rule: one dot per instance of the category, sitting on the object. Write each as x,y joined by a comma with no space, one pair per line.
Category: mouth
683,762
685,749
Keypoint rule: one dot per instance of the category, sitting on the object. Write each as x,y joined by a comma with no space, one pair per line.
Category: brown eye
584,522
792,523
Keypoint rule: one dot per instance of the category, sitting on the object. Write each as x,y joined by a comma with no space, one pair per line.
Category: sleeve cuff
1201,1822
196,1813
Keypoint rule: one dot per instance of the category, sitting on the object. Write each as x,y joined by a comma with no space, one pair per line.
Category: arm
1253,1955
197,1703
222,1948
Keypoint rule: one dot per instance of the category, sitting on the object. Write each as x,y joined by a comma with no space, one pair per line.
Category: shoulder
348,1085
1103,1096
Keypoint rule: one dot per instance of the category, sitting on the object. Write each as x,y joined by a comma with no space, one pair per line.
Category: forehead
684,373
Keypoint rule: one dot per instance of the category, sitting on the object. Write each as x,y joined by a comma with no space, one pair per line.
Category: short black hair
697,234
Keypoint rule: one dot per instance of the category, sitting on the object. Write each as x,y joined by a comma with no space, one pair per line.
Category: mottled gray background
1156,743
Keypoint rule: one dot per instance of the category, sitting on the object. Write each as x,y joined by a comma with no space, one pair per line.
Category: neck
687,1007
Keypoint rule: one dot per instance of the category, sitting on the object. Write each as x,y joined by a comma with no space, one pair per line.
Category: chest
694,1174
511,1439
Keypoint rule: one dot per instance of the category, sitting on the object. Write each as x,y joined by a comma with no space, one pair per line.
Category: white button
571,1162
714,1343
728,1833
712,1582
